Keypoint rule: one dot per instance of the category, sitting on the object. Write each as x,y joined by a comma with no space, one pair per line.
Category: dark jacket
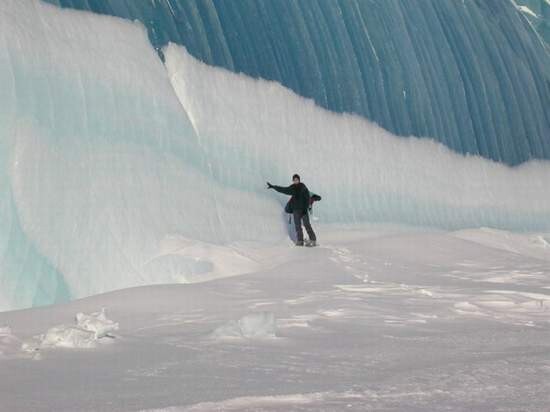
299,193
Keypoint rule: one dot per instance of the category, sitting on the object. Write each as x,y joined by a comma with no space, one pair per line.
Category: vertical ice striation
472,74
98,161
250,127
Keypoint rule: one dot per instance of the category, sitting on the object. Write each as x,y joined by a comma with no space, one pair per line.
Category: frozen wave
250,127
470,74
98,161
101,162
114,207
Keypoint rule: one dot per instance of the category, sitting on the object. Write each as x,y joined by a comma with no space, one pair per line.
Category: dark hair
296,176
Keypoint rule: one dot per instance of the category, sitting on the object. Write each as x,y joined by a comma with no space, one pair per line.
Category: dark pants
299,216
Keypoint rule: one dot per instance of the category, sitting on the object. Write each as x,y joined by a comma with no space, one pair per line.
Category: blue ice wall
117,170
99,164
472,74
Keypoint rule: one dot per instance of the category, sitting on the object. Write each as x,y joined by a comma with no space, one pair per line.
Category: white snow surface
376,318
9,344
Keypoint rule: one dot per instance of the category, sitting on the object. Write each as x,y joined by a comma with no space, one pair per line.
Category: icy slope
375,320
472,74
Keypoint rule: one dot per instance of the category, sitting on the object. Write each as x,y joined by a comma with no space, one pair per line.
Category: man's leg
309,229
297,215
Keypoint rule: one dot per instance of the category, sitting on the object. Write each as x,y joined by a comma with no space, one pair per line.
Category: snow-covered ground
376,318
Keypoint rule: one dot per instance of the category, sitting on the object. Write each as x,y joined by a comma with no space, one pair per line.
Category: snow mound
535,245
254,325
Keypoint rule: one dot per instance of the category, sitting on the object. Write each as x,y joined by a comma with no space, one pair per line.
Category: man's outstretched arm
286,190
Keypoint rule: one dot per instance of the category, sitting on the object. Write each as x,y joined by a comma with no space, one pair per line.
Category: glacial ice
473,75
98,161
105,153
538,14
363,172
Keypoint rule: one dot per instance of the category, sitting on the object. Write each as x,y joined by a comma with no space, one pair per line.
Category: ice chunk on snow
67,202
87,332
262,324
97,322
254,325
68,337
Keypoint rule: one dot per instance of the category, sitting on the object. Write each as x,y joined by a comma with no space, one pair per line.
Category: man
299,204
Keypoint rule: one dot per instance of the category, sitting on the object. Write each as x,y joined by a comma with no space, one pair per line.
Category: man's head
296,179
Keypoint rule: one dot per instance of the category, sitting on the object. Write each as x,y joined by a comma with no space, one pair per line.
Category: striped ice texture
106,152
472,74
366,173
99,162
